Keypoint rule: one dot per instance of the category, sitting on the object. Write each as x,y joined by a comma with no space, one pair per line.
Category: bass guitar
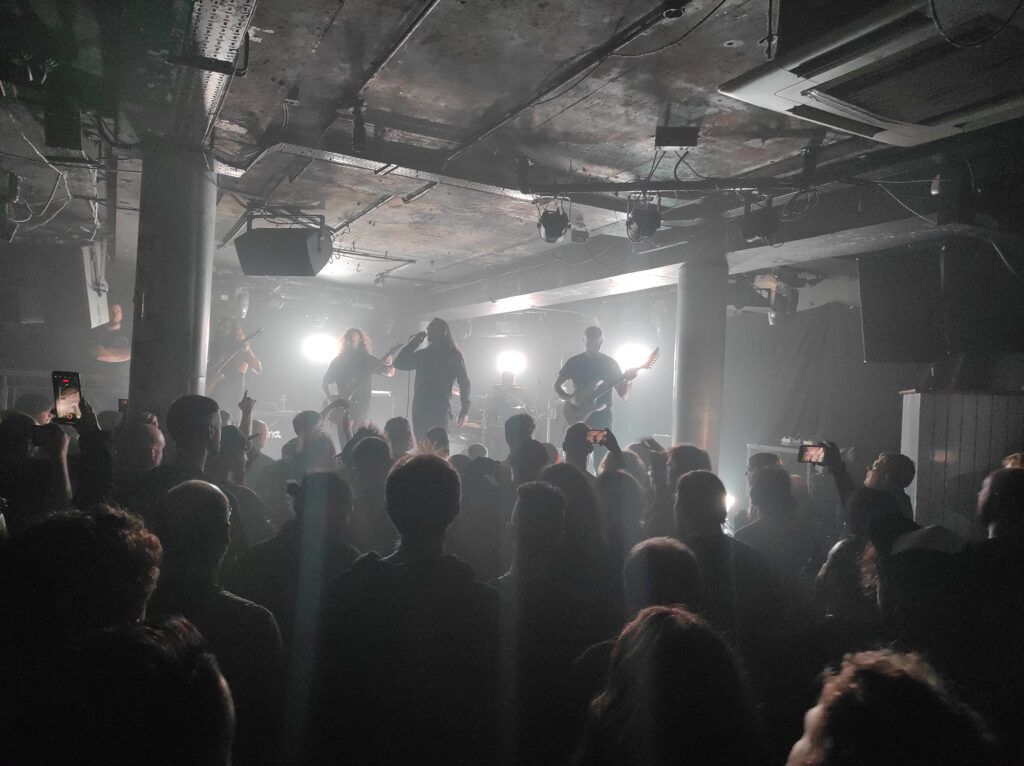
583,403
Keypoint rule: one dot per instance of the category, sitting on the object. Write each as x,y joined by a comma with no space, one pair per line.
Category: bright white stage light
320,347
730,501
511,361
632,355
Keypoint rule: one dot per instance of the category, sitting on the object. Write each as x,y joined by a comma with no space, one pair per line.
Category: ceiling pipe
590,59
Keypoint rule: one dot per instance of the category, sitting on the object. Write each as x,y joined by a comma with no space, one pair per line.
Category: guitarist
351,372
587,369
231,357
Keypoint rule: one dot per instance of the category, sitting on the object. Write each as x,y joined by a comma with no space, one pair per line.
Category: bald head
193,524
139,447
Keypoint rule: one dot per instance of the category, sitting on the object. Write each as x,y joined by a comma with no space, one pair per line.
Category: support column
174,273
699,372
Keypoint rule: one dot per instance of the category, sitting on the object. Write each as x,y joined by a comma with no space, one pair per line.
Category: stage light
643,218
554,222
632,355
511,361
730,501
320,347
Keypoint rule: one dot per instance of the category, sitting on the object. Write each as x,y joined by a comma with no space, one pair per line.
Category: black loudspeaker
283,252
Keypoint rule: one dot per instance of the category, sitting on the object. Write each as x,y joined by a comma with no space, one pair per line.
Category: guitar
335,410
582,404
219,375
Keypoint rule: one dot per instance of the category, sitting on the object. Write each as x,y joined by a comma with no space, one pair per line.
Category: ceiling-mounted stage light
553,223
643,218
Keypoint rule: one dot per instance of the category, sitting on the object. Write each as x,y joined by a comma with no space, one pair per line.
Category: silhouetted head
422,496
761,460
16,435
322,498
575,443
436,440
620,505
700,504
527,461
232,451
72,572
193,523
675,693
138,447
476,450
683,458
135,694
518,429
371,457
582,522
593,339
771,491
399,435
194,423
305,423
885,707
891,472
538,519
660,571
36,405
1001,501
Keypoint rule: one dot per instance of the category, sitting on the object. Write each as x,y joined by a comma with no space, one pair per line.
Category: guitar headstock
651,359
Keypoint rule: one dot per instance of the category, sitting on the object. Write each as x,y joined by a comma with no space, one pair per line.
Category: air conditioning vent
891,76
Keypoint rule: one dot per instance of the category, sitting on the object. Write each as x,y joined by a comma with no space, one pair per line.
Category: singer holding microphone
437,366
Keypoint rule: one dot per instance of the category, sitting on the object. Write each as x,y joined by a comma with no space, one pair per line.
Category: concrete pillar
174,273
699,372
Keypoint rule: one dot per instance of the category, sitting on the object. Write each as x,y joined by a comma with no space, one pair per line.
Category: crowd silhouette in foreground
184,599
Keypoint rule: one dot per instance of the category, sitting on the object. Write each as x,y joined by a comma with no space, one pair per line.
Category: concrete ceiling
407,124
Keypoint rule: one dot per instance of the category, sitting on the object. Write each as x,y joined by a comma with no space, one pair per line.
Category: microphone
418,337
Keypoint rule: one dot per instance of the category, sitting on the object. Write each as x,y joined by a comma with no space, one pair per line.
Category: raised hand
247,404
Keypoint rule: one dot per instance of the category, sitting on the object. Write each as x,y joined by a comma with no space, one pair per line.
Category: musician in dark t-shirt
351,373
586,369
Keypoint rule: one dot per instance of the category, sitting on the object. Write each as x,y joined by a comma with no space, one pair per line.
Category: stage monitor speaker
283,252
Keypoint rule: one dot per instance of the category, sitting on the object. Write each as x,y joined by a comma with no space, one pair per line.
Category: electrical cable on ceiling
974,43
682,161
679,39
1005,260
905,206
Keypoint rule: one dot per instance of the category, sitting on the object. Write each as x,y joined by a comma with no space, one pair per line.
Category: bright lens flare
320,347
730,501
511,361
632,355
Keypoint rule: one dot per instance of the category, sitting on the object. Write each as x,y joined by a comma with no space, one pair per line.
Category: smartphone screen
67,395
596,435
810,453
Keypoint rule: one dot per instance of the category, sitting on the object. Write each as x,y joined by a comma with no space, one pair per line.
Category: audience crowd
170,595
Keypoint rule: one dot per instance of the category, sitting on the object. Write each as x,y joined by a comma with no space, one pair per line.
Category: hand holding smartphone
597,435
811,453
67,396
